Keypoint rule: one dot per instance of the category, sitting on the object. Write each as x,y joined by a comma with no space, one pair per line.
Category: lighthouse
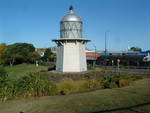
70,52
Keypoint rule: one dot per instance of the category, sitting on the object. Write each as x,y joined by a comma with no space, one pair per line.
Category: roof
71,16
92,55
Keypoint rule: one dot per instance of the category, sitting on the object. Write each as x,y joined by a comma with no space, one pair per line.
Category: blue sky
37,22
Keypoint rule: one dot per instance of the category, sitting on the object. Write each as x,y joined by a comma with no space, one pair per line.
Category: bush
6,86
124,82
112,81
32,85
92,84
113,85
7,89
35,85
106,81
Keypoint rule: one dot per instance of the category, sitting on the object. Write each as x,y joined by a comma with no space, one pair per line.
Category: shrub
91,84
106,81
113,85
112,81
35,85
124,82
105,84
27,86
7,89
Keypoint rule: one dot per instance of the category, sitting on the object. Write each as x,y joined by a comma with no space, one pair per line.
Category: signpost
118,62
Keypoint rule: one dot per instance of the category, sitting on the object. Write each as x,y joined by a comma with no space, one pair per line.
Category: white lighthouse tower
70,53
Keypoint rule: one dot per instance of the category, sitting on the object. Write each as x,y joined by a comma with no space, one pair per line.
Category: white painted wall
71,57
59,58
82,53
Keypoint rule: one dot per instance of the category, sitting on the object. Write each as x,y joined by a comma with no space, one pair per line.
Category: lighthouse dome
71,16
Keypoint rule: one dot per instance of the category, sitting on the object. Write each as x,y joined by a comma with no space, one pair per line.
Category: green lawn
132,99
23,69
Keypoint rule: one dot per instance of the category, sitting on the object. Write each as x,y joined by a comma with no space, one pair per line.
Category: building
70,51
40,51
91,57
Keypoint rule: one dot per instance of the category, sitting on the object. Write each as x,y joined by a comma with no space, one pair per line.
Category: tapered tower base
71,57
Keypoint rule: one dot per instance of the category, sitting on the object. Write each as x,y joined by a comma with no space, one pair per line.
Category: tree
47,54
33,57
136,49
18,53
2,53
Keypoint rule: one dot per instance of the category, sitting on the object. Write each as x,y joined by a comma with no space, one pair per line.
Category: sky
125,22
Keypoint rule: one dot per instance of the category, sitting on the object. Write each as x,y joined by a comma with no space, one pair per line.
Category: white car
147,58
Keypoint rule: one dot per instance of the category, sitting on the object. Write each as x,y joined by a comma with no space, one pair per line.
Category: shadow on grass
130,108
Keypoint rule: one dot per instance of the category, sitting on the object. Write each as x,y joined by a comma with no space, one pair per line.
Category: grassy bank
26,81
23,69
135,98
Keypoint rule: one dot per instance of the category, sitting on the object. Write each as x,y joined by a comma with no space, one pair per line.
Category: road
126,69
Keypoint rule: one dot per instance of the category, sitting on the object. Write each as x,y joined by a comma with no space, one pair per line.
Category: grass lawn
132,99
23,69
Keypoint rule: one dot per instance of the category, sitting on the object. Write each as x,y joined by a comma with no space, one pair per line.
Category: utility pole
105,43
95,56
106,47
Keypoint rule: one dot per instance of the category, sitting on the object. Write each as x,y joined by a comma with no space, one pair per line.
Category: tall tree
33,57
47,54
18,53
2,53
136,49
